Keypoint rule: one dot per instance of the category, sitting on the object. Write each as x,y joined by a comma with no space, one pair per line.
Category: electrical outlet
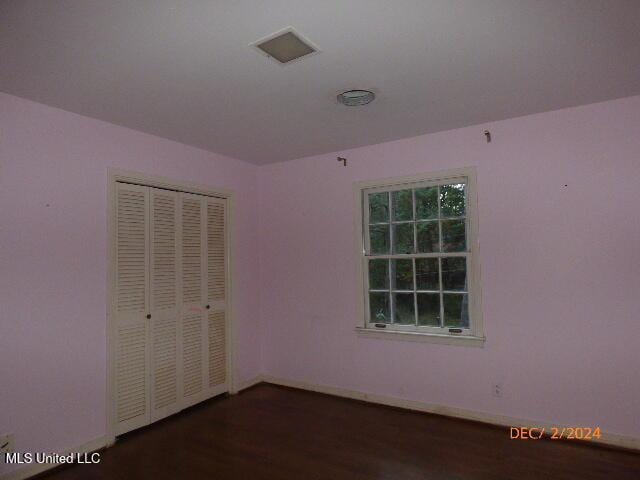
6,445
497,390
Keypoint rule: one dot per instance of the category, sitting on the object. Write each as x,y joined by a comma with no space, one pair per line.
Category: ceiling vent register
285,46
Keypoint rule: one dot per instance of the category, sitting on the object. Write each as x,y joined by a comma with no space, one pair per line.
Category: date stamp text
555,433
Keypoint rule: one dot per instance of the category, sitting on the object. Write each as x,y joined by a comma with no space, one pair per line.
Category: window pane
379,307
427,277
428,237
454,273
402,205
403,238
453,236
378,207
429,309
379,239
456,310
379,274
426,203
452,200
402,274
403,309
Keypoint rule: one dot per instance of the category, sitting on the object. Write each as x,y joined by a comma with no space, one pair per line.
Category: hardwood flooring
277,433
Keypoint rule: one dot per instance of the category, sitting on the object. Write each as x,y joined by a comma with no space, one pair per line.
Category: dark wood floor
270,432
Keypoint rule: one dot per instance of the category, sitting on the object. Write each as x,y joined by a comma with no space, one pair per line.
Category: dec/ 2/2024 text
555,433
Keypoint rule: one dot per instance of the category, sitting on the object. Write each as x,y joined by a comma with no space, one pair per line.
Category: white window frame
472,336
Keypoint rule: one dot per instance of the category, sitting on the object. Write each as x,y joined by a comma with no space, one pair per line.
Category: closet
169,302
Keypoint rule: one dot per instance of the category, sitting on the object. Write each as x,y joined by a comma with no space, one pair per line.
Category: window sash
442,329
413,186
367,256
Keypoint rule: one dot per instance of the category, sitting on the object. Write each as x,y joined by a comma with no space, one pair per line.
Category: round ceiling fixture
355,98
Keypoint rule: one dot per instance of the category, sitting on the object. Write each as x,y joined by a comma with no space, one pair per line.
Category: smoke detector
355,98
285,46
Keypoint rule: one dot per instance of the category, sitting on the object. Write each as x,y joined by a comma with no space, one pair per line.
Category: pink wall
560,270
53,240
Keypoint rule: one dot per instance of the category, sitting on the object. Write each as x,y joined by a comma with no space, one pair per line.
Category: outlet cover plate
497,390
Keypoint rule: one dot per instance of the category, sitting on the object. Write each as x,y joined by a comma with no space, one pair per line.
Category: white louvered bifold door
130,307
193,312
216,293
164,309
169,309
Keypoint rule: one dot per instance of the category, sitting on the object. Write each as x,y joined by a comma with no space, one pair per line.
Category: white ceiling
183,69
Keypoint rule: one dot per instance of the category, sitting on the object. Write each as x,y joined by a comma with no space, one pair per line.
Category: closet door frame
113,177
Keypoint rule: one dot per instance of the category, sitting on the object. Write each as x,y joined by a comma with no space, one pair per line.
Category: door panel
216,295
165,357
131,306
193,296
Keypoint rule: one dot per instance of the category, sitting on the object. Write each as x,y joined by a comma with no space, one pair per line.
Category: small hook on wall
487,134
343,160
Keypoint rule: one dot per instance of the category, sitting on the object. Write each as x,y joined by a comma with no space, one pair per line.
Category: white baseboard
609,439
34,469
249,383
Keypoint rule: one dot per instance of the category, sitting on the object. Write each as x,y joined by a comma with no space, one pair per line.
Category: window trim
474,335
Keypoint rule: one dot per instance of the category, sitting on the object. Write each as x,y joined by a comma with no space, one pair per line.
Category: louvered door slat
131,249
215,251
191,250
192,354
217,349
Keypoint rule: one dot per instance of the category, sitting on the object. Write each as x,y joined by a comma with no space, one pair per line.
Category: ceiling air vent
355,98
285,46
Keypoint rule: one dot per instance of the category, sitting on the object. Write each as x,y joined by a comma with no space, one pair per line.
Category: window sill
460,340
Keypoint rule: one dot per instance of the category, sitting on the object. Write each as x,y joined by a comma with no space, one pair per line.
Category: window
419,257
